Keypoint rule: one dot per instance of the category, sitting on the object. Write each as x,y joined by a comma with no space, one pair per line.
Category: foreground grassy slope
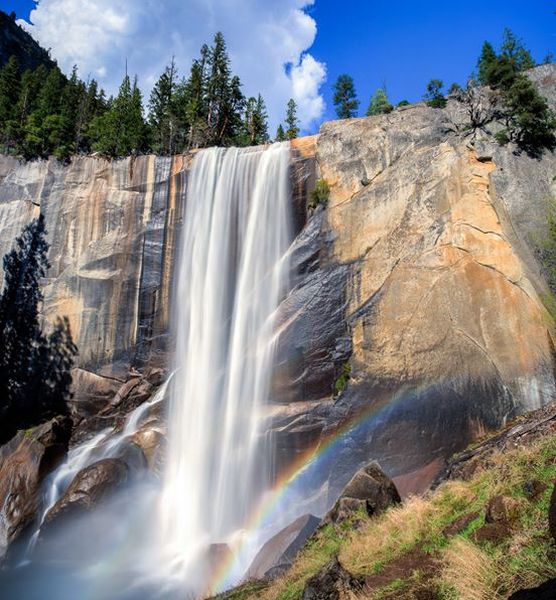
480,536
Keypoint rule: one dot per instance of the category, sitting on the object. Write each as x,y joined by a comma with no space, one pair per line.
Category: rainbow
306,465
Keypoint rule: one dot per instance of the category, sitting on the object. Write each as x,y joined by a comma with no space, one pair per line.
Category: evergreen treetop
292,122
345,97
379,104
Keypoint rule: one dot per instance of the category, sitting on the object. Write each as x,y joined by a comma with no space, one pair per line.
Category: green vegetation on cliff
525,114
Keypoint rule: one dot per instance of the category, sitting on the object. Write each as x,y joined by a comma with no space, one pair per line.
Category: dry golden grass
469,571
388,536
462,568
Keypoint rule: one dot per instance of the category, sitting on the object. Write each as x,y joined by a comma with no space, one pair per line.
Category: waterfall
232,273
172,538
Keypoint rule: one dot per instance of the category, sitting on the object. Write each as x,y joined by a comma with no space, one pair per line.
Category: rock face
369,490
90,487
422,274
112,228
24,463
279,552
419,273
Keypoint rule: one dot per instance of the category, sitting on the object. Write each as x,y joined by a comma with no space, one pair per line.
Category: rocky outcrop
277,555
112,226
369,491
423,276
333,582
24,463
91,486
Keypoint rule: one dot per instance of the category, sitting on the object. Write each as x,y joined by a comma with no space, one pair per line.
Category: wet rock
93,392
24,463
277,555
122,394
369,490
156,376
546,591
90,487
132,455
152,443
333,582
552,514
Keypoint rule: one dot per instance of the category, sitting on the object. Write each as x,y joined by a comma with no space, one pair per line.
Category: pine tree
486,60
292,122
434,97
195,101
379,104
120,131
280,134
35,370
513,49
10,86
531,122
42,129
255,123
162,117
68,136
225,101
345,97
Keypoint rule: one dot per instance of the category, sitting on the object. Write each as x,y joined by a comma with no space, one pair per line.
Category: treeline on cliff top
44,113
521,114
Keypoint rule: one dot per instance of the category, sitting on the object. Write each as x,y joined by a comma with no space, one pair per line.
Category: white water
106,444
233,272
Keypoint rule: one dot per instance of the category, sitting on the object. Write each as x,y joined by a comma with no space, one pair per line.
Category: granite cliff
419,273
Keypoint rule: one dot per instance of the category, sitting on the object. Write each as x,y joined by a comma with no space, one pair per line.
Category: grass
464,569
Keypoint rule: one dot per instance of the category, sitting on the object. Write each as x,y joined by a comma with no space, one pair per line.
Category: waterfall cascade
233,271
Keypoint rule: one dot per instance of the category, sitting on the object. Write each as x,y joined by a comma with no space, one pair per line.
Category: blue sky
404,44
401,43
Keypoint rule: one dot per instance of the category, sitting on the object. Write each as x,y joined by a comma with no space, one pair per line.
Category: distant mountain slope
14,41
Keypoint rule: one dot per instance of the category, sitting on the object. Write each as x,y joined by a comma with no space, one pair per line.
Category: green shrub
342,381
320,194
434,97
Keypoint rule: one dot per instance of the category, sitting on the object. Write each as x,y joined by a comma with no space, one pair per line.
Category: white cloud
263,37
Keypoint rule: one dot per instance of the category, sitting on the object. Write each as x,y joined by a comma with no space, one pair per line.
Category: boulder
369,490
278,553
152,443
24,463
332,582
90,487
